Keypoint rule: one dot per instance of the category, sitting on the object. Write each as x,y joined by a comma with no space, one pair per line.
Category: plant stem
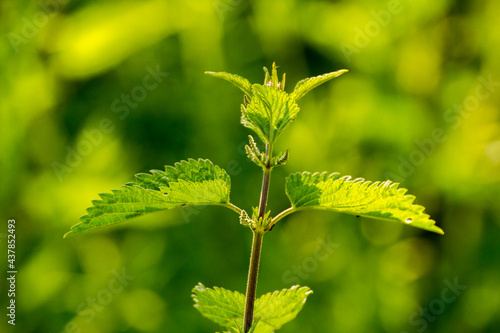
264,192
258,234
253,273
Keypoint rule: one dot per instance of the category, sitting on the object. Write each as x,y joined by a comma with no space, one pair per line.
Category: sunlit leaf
280,307
192,182
269,112
306,85
237,80
272,310
267,108
381,200
220,305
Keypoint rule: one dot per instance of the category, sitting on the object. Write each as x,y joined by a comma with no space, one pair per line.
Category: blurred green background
93,92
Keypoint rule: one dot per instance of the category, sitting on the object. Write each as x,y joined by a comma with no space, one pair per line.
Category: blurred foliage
77,91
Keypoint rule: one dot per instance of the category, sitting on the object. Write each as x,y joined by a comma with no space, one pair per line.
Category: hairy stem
264,192
282,215
235,208
253,271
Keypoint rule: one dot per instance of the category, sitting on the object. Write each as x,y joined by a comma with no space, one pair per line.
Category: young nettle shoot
267,110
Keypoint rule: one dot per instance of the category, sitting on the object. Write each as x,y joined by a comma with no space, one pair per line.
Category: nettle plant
267,110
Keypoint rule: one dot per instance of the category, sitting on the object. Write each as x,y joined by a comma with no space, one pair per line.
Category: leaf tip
439,230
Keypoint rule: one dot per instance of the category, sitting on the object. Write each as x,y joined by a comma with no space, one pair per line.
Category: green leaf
269,112
254,153
272,310
306,85
278,308
237,80
221,306
192,182
253,328
381,200
267,108
280,159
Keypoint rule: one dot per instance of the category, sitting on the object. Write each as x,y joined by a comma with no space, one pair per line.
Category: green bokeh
416,107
